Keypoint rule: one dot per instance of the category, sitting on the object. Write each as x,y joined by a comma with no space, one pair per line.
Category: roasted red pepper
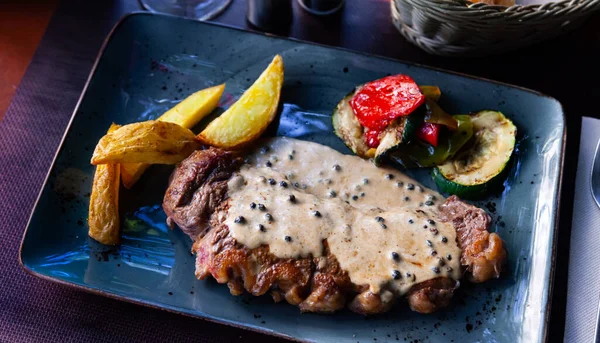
379,102
372,138
429,133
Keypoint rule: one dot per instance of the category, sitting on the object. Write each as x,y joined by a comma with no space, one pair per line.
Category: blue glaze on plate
151,62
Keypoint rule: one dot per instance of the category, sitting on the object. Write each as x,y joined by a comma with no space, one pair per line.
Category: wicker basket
458,27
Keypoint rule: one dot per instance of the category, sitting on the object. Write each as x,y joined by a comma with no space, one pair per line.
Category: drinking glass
197,9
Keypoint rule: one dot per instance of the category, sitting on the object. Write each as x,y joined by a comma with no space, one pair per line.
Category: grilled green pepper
418,154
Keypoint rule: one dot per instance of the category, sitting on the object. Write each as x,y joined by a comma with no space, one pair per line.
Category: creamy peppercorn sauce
381,225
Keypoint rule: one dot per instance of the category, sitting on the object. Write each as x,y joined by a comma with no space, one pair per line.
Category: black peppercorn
264,149
395,256
355,197
410,186
288,238
425,226
296,184
283,184
290,157
383,226
269,164
261,227
449,257
396,275
362,194
262,207
389,176
429,203
436,270
240,220
365,181
272,182
291,198
268,217
400,184
410,221
332,194
379,219
337,167
433,252
406,198
444,240
430,221
449,269
316,213
252,205
428,242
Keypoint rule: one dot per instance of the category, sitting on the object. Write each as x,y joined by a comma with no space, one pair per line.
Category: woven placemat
34,310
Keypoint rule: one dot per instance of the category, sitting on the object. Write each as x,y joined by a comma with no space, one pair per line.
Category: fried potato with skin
188,113
191,110
131,173
103,216
250,116
151,142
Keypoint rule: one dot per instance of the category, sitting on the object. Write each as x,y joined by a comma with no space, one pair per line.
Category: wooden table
565,68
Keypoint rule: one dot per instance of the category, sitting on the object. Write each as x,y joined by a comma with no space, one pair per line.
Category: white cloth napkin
584,257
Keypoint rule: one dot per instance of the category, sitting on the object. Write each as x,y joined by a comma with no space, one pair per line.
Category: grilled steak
198,201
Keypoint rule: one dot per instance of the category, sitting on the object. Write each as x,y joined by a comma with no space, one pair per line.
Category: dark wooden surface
565,68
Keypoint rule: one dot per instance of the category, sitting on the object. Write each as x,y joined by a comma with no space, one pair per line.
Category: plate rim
247,326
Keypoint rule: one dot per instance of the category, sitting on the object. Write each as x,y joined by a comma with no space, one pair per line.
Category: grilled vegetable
103,216
479,168
250,116
347,127
402,131
436,115
189,112
429,133
378,103
431,92
374,124
392,138
151,142
419,154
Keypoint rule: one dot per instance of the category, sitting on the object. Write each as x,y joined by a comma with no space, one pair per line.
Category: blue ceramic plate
150,62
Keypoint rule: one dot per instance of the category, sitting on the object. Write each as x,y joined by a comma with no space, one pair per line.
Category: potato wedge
131,173
188,113
249,117
195,107
151,142
103,216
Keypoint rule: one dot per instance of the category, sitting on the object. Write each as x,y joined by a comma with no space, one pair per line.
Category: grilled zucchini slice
480,166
